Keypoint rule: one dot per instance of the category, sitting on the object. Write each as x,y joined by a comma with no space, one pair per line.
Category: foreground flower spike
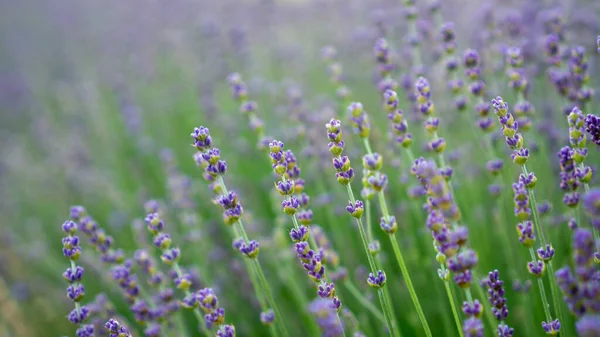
355,208
208,156
525,206
312,259
73,275
497,299
115,329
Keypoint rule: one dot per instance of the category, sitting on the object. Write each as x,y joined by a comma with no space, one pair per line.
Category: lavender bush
465,137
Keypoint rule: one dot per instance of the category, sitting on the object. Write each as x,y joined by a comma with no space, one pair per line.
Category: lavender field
299,168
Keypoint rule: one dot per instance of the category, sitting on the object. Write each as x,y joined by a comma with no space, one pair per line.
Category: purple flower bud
389,226
226,331
290,206
216,317
86,331
373,162
551,328
170,256
162,241
267,317
184,282
536,268
592,127
326,290
356,209
472,310
69,227
376,281
473,327
250,249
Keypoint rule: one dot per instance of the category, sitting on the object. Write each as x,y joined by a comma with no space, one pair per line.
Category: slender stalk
364,302
382,295
398,255
255,283
452,305
540,231
542,291
265,288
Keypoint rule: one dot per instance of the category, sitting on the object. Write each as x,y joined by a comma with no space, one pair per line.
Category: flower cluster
497,299
73,275
552,50
96,235
568,176
115,329
345,173
359,120
396,117
384,65
155,278
510,128
226,330
477,88
426,107
207,300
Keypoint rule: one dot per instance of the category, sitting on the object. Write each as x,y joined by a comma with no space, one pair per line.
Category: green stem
368,217
453,306
385,302
540,231
399,258
266,289
364,302
411,289
542,291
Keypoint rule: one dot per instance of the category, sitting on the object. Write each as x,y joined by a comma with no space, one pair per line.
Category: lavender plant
93,101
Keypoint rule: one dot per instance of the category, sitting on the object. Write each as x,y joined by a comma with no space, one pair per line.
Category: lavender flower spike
73,275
